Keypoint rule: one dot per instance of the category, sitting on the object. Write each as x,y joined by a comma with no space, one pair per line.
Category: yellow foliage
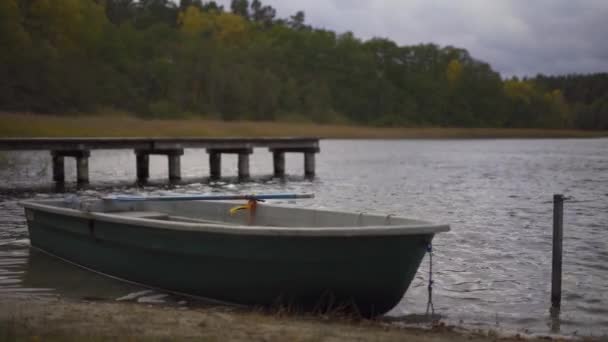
67,24
225,27
230,27
94,16
521,90
58,20
453,71
192,21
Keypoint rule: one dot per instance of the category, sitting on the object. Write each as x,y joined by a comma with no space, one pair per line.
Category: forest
165,59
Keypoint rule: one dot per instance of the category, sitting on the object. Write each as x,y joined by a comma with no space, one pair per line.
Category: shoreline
73,320
14,125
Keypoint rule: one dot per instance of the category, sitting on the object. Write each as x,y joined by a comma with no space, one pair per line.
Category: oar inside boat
250,206
258,197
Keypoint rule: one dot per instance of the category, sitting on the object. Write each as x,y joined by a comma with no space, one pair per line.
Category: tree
262,14
256,6
240,7
212,6
120,11
594,116
156,58
192,21
453,72
296,21
153,12
184,4
12,33
14,42
230,28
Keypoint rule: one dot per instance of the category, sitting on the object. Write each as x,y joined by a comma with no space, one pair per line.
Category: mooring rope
429,305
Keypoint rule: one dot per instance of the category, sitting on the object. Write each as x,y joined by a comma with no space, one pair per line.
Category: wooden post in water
558,235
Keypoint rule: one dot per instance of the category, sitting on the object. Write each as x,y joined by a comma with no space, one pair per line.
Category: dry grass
124,125
61,320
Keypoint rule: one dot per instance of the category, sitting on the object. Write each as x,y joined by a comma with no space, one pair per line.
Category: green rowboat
303,258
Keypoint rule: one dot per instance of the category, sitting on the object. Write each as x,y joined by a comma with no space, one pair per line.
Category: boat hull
367,274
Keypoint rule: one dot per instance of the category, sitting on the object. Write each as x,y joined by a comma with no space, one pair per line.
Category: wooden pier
173,148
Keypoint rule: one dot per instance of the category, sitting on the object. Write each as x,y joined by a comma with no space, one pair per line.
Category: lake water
491,271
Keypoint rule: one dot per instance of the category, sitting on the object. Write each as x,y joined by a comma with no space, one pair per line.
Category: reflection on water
55,276
492,270
33,273
44,271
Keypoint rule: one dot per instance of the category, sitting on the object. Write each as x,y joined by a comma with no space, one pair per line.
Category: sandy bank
68,320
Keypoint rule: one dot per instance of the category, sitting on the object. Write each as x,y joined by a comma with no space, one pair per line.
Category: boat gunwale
231,229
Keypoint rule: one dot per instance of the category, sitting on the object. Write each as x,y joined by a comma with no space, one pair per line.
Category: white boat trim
383,230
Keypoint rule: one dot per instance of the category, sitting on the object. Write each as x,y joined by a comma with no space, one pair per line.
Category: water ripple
492,269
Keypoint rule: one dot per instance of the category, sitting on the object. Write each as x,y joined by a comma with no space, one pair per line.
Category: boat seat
152,215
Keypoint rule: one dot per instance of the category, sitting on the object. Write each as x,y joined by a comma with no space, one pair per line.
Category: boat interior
226,212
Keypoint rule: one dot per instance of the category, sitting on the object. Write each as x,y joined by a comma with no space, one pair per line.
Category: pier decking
173,148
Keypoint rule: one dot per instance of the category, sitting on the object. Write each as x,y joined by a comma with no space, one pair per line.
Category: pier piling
82,167
175,166
278,158
558,235
142,161
215,160
215,164
309,164
58,167
243,165
173,148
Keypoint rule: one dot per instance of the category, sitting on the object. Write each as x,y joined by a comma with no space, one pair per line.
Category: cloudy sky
517,37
